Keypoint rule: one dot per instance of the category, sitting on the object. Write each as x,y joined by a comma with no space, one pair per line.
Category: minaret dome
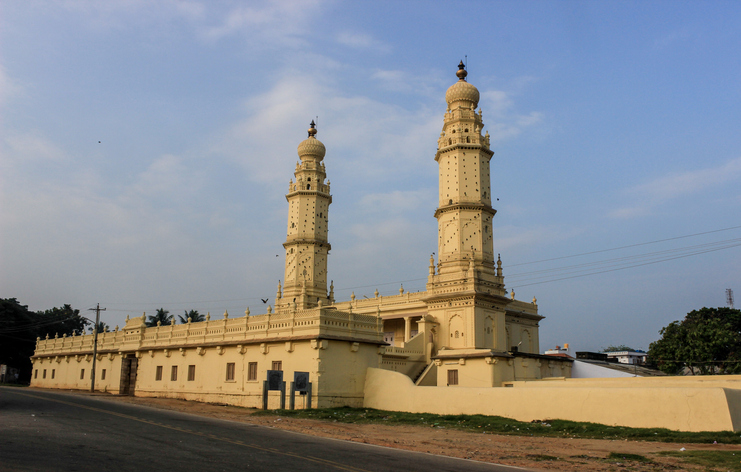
311,147
462,91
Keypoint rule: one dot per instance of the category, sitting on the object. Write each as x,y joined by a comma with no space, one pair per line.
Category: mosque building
463,330
444,350
465,312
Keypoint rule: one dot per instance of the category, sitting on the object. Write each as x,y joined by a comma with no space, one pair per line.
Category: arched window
468,139
308,186
450,141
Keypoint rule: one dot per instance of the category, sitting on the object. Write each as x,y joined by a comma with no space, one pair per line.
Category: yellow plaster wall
336,349
67,372
687,408
725,381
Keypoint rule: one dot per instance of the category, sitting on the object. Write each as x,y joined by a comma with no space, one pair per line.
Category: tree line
19,328
705,342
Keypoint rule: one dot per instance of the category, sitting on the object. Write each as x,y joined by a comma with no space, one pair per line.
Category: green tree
194,316
707,341
620,347
163,316
19,328
102,328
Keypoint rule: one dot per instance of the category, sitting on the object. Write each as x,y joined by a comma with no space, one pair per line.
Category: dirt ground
529,452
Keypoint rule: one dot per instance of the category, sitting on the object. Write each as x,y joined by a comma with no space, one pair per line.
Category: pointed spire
499,265
312,129
401,289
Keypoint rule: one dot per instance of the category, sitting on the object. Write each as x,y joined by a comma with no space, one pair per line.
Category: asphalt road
65,432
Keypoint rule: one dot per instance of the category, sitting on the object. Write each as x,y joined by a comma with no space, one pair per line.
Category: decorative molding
354,347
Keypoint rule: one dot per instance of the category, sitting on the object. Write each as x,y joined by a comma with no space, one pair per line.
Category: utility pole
729,298
97,310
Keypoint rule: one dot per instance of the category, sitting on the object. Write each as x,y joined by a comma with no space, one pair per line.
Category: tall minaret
466,296
464,213
306,243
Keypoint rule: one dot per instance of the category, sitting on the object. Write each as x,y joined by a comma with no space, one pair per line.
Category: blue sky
146,149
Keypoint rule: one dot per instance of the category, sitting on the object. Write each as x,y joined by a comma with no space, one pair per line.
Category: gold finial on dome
461,71
312,129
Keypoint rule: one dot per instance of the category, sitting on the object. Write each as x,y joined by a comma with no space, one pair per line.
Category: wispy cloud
274,22
359,40
9,88
30,147
507,123
674,186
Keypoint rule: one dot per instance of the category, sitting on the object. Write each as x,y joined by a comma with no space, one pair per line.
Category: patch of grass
500,425
542,457
724,460
627,457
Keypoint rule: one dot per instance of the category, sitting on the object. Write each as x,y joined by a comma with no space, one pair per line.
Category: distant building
628,357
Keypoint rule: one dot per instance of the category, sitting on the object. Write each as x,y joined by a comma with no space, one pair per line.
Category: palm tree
162,315
102,328
194,316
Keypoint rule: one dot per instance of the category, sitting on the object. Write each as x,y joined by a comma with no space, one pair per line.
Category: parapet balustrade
310,322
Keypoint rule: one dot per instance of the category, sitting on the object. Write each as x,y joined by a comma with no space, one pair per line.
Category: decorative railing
306,323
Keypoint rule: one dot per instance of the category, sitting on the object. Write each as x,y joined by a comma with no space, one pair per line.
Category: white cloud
506,123
674,186
31,147
361,41
273,22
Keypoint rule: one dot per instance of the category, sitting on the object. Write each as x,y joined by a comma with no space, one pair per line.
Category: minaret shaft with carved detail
306,243
464,213
465,295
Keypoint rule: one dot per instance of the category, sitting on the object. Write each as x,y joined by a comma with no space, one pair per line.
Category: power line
623,268
619,260
570,271
625,247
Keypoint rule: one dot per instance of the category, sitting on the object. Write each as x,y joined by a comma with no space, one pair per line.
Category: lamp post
97,309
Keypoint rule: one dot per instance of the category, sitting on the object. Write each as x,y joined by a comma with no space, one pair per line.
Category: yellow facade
211,360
